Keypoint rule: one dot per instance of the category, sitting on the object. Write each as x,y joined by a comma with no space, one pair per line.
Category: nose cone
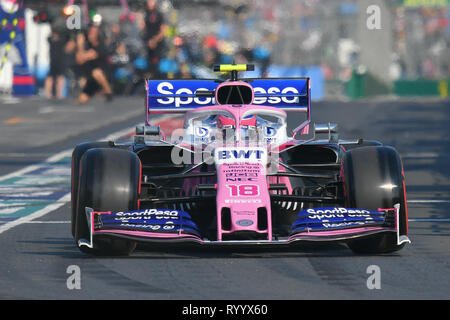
243,200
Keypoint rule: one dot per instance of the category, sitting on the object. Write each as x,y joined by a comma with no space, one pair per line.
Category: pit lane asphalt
36,255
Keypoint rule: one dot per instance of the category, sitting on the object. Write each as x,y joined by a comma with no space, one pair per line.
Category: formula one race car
233,176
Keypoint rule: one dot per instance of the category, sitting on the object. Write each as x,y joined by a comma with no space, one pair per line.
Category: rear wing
179,96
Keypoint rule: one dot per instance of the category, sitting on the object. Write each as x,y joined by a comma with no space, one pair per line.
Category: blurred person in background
115,38
185,72
92,57
71,65
209,50
154,31
121,68
56,77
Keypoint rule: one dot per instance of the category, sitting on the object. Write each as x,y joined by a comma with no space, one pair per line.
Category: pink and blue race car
232,175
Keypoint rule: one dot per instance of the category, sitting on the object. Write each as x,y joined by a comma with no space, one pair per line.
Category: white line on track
22,154
64,199
428,201
49,222
428,220
37,214
421,155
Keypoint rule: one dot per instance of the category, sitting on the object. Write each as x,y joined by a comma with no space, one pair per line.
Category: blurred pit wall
315,73
375,41
371,77
375,38
365,85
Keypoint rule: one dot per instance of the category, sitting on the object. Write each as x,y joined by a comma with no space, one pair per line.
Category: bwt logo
229,155
270,132
239,154
201,132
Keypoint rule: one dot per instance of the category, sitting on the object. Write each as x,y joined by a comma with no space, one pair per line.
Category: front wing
318,224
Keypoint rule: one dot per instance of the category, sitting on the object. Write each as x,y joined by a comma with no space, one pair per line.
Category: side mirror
147,130
331,129
326,128
143,131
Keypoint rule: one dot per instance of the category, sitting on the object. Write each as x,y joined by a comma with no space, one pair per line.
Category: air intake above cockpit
234,93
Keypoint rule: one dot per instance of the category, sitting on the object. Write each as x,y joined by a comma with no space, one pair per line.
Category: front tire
373,178
77,153
109,181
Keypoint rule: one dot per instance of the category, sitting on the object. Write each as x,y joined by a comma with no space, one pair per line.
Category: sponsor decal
331,226
269,131
151,219
337,210
239,154
201,132
242,201
244,222
241,176
244,212
230,155
180,94
276,91
330,213
335,218
133,218
167,88
343,224
151,212
153,227
171,228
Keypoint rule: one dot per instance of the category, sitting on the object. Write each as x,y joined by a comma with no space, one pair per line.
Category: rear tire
109,181
366,170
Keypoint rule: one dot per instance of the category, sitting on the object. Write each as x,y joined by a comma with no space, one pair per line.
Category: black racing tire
109,181
365,170
77,153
